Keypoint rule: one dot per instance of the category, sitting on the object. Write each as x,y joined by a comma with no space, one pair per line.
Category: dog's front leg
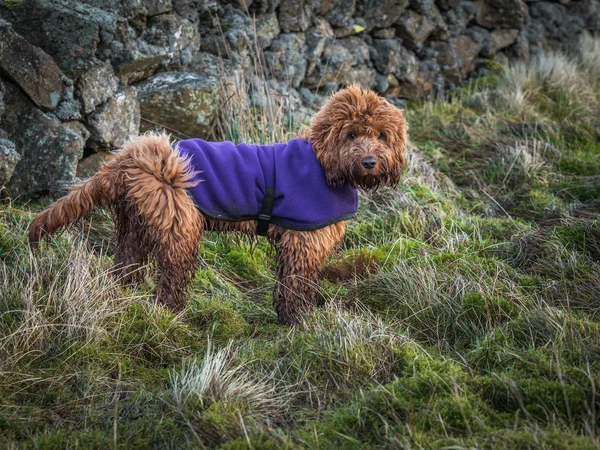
300,255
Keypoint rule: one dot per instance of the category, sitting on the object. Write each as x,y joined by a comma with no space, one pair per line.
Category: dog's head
359,138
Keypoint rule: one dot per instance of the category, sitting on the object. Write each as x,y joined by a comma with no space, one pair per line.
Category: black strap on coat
264,217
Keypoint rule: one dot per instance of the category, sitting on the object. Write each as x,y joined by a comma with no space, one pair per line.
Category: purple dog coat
283,184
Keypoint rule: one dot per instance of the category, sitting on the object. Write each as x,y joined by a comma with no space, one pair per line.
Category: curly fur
146,187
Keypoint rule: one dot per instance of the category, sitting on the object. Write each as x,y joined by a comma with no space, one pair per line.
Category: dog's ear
323,134
323,139
398,142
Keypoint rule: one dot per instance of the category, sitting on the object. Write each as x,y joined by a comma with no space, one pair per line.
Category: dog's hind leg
177,258
132,245
300,255
157,180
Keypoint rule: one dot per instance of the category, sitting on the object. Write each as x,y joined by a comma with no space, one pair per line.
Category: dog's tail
147,172
157,179
94,193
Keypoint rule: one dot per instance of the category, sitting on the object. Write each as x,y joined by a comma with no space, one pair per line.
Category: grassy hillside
462,310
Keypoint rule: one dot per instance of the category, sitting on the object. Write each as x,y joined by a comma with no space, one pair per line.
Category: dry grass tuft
561,82
218,378
58,304
589,55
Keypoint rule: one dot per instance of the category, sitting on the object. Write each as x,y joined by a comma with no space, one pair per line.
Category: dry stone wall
78,77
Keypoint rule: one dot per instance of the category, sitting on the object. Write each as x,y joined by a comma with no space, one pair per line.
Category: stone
8,160
78,128
193,9
446,5
49,150
155,7
311,98
358,48
115,121
363,76
440,31
467,51
414,29
166,41
457,19
96,85
500,39
262,6
357,26
69,109
479,34
390,57
233,31
492,41
501,59
520,49
331,87
182,102
28,66
209,64
91,164
133,8
360,72
422,6
380,13
501,14
65,29
294,15
408,66
267,29
343,62
132,63
384,33
338,12
555,25
316,39
335,60
384,53
421,88
382,83
264,93
446,58
285,58
589,11
171,35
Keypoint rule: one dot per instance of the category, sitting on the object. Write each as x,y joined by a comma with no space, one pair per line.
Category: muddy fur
146,187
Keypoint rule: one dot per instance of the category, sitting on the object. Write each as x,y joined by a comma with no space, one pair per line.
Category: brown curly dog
358,139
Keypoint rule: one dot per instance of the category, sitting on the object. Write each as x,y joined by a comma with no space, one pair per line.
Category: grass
462,310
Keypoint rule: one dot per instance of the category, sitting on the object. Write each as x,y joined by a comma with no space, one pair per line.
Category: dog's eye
351,136
382,136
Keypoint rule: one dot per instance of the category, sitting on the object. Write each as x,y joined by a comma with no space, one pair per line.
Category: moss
220,319
156,336
262,440
577,190
242,258
580,235
214,284
534,397
495,309
245,264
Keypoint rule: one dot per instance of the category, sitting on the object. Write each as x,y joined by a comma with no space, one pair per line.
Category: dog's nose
368,162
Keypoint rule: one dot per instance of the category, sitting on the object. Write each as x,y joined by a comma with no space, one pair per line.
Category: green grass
462,310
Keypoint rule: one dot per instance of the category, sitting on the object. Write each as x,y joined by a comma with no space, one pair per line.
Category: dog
164,195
